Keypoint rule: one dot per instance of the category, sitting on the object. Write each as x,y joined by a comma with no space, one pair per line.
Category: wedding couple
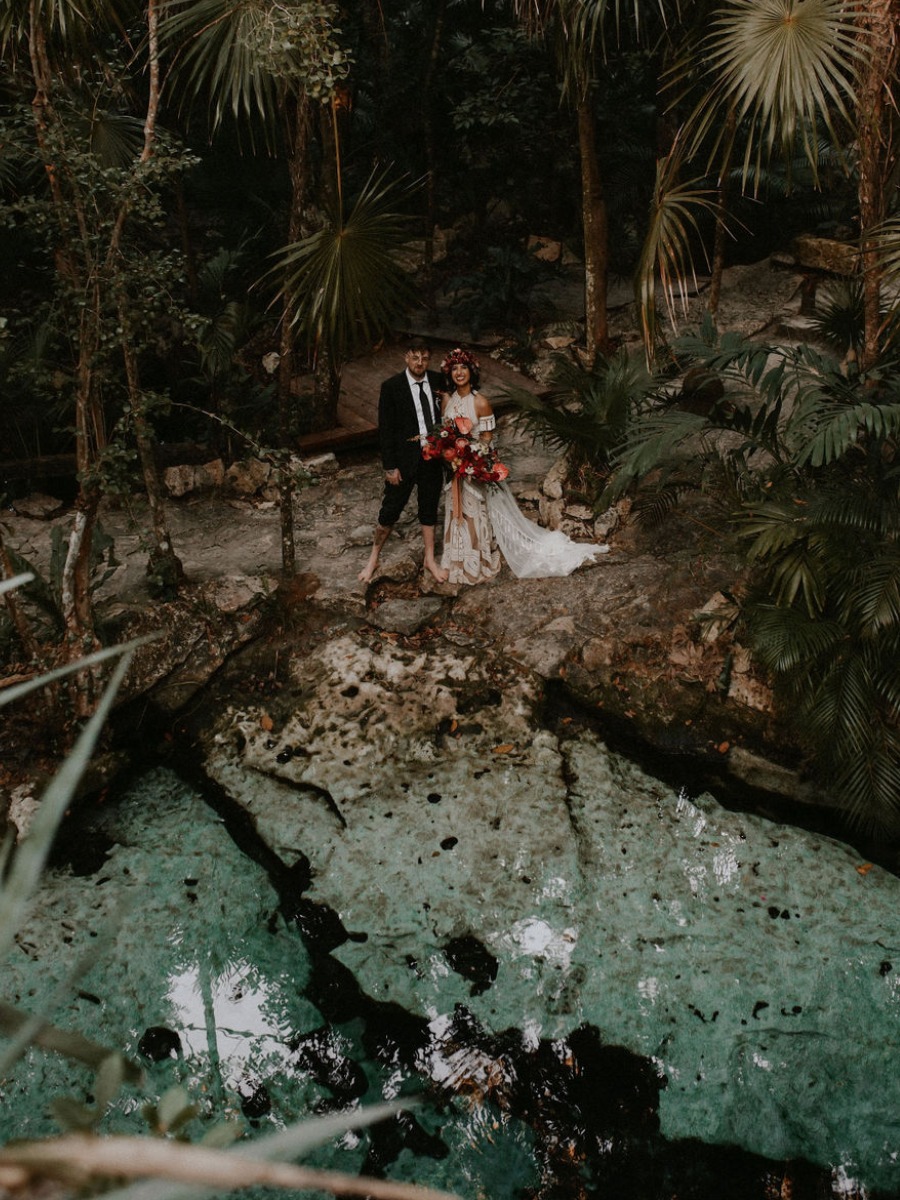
481,521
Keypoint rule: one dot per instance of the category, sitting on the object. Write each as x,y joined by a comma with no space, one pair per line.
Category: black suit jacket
397,424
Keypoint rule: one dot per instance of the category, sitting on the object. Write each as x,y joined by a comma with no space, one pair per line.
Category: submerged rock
550,886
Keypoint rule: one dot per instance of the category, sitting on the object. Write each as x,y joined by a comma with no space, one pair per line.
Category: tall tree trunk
877,153
164,567
431,159
596,232
298,124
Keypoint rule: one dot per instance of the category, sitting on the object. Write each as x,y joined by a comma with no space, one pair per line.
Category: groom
408,407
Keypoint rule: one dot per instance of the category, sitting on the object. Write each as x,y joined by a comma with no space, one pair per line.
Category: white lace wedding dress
490,515
470,553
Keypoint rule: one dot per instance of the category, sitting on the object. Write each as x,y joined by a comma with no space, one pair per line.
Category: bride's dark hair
467,359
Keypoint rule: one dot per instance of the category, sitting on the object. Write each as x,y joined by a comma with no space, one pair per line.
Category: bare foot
365,575
437,571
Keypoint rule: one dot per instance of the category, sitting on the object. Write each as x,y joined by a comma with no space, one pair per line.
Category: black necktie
427,410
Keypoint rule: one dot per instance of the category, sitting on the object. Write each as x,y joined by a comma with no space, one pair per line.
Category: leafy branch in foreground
197,1170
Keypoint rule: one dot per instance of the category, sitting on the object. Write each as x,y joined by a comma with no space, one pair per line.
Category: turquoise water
719,988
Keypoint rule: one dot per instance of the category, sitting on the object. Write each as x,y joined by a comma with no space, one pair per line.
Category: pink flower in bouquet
449,452
463,424
500,472
462,443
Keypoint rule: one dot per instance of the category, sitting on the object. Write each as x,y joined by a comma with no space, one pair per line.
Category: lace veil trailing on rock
531,551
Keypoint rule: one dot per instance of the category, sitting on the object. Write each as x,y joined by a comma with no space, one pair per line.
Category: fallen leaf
266,722
454,725
723,747
864,868
505,748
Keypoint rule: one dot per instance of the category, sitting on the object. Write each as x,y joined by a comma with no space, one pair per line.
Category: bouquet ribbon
455,498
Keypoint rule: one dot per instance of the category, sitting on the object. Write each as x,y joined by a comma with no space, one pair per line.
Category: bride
481,521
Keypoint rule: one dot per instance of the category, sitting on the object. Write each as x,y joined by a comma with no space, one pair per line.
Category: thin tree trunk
596,233
721,233
877,154
431,159
299,128
164,566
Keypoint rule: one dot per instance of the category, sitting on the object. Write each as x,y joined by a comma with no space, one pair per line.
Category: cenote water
597,985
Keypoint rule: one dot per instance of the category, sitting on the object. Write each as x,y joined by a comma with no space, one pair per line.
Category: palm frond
653,441
885,239
585,411
651,509
344,282
872,599
116,138
786,639
246,56
668,251
838,428
785,68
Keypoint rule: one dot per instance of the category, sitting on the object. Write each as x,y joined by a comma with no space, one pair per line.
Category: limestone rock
579,512
597,654
759,772
23,804
360,536
405,616
716,615
233,593
826,254
38,506
551,512
188,477
750,692
546,249
247,477
400,570
321,464
555,478
606,523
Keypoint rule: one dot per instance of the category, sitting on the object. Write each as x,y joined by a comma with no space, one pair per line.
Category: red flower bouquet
464,456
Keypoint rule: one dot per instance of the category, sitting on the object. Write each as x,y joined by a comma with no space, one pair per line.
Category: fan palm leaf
784,68
886,239
62,19
344,282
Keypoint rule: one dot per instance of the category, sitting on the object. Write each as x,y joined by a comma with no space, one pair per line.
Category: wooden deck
361,382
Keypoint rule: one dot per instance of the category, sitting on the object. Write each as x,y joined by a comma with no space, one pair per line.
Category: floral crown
462,357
